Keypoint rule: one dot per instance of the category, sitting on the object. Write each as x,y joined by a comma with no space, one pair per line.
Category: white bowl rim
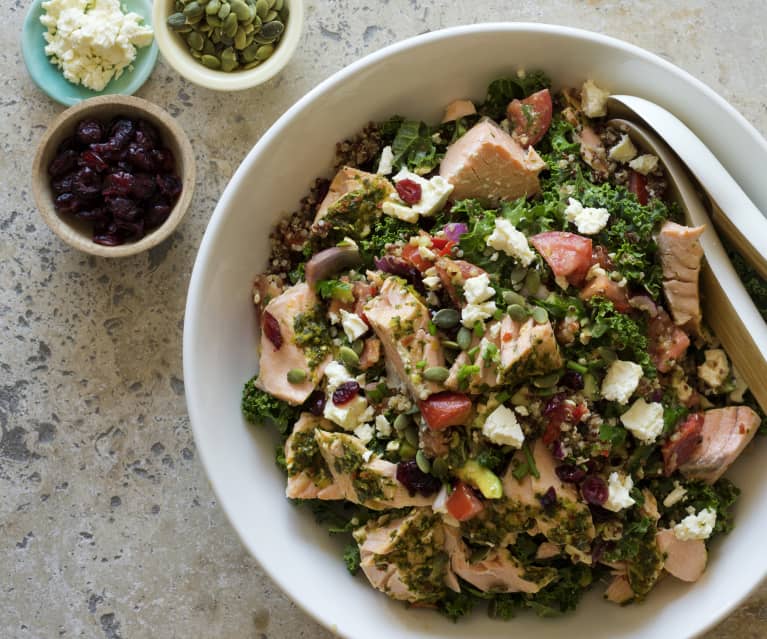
175,55
195,294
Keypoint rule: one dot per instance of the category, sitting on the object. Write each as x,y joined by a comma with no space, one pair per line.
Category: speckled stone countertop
108,527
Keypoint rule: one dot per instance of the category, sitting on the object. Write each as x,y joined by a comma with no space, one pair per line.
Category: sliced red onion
454,230
330,261
402,268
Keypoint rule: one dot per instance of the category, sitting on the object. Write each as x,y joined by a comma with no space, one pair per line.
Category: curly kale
352,558
504,90
259,406
620,332
720,497
755,285
455,605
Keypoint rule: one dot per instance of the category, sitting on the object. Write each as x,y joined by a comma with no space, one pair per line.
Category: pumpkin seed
272,15
540,315
251,65
240,39
241,10
423,464
401,422
358,346
249,53
295,375
272,29
450,345
532,282
230,25
193,10
224,11
406,450
444,318
436,374
439,468
348,357
278,5
546,381
211,61
512,297
264,51
517,313
262,8
176,21
411,435
463,338
214,21
195,40
518,274
212,7
209,48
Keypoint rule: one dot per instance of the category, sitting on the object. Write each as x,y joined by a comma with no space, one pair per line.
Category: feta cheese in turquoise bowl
50,77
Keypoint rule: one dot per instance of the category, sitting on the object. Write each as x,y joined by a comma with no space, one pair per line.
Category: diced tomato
462,503
446,409
530,117
668,342
682,444
452,272
441,245
568,254
603,286
638,186
411,254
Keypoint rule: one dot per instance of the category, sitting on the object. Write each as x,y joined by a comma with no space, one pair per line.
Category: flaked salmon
685,560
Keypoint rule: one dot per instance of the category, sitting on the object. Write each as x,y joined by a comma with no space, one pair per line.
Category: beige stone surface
108,527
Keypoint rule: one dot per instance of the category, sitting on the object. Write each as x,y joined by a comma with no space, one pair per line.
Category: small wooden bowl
79,234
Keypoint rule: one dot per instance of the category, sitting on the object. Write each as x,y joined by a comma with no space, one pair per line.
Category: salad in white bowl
483,345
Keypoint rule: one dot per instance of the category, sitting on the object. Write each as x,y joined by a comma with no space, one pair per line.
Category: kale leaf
720,497
504,90
259,406
414,149
352,557
456,605
384,230
620,332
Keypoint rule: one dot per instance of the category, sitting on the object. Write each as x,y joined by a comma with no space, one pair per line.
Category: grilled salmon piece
680,257
345,181
315,480
725,433
487,164
279,351
685,560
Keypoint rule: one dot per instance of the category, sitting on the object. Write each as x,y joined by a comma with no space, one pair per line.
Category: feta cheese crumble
593,100
473,313
621,381
645,421
477,289
383,426
715,369
353,413
619,488
624,151
92,41
434,194
501,427
644,164
698,526
588,220
511,241
385,164
354,326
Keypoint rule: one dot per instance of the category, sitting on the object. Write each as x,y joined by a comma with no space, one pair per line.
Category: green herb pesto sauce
353,214
571,524
497,521
312,334
306,457
368,484
645,568
418,553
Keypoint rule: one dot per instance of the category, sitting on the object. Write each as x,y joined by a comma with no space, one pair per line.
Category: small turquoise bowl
51,80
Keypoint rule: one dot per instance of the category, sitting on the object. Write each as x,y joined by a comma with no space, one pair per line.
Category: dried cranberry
63,184
108,239
572,380
121,132
169,185
68,144
140,157
403,268
156,214
570,473
131,229
67,203
89,132
163,160
415,480
595,490
92,160
118,184
316,403
87,183
271,328
146,135
409,191
96,215
63,163
548,499
123,209
345,393
144,186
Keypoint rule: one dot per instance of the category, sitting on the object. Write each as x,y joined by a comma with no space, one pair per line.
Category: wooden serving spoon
732,211
727,307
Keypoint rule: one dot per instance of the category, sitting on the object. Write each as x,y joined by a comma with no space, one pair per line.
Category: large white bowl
416,78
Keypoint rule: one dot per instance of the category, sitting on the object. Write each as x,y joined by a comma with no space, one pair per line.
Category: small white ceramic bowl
220,329
79,234
176,53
